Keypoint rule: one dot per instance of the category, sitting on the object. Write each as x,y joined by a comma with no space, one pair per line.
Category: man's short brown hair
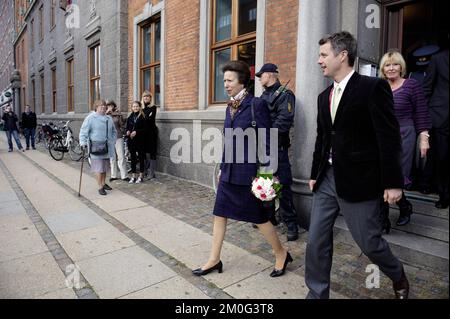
241,68
342,41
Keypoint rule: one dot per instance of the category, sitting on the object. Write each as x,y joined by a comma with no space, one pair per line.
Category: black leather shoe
401,288
405,212
201,272
101,191
403,220
280,272
107,187
292,232
441,204
425,191
126,179
113,179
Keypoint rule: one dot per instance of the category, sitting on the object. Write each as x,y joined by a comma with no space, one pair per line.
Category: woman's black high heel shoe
406,211
280,272
201,272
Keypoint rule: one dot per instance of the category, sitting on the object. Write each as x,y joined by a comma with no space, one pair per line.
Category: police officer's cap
424,53
268,67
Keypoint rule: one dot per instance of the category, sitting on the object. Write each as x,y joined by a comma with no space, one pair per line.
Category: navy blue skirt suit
234,197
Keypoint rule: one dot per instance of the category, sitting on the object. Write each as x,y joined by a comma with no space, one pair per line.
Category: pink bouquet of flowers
267,188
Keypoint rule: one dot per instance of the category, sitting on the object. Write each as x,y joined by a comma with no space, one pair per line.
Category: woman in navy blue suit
234,197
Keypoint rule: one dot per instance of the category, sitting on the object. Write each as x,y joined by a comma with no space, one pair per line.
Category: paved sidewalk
28,269
167,223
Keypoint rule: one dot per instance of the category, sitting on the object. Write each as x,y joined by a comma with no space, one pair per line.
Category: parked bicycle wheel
57,149
39,136
75,152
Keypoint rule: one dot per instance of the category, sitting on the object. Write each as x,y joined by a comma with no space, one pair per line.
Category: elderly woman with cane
99,134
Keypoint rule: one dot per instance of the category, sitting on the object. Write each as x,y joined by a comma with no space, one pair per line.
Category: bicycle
39,137
63,142
44,133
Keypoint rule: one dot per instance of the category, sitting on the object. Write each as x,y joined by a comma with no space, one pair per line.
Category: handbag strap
254,125
107,120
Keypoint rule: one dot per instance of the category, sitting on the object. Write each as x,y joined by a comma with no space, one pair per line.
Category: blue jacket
94,129
243,173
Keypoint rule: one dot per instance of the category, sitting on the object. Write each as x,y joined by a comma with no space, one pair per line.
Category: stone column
15,85
314,22
316,19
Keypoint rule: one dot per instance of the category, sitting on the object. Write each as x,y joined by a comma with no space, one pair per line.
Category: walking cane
81,171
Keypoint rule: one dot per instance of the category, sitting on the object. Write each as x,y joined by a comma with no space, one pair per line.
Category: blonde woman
152,133
411,111
135,132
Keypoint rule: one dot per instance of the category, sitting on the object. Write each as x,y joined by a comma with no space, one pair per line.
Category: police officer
281,102
423,170
422,56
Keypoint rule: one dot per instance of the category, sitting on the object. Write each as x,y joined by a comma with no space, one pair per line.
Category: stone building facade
6,49
116,49
197,38
78,53
21,51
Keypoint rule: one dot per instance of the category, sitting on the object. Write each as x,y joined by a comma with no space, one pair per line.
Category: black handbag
99,147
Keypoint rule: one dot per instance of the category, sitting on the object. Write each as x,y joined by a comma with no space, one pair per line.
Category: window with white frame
150,58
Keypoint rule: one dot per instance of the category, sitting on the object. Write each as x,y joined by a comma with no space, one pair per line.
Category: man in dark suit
356,162
435,87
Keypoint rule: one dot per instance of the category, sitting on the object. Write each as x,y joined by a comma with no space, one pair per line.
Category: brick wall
135,8
182,47
281,37
182,54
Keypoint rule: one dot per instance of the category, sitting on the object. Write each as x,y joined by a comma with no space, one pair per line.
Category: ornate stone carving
92,9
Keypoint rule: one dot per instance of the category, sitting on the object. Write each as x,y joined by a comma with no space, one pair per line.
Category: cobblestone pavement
193,203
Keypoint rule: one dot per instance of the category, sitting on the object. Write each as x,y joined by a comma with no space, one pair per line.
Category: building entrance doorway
412,24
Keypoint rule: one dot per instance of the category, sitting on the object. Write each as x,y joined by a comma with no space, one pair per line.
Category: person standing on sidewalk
119,160
234,197
151,133
29,124
356,162
10,126
281,104
98,128
136,139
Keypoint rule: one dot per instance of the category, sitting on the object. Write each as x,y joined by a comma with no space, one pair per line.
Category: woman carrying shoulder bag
98,132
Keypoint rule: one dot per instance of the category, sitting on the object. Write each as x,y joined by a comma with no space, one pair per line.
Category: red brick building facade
183,44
